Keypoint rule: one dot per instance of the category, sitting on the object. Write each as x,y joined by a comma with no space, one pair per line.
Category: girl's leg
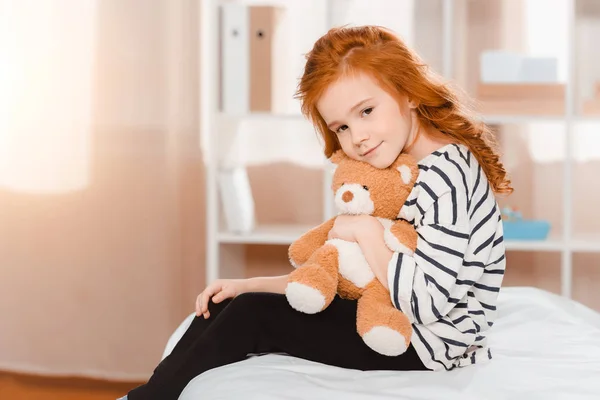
265,323
195,330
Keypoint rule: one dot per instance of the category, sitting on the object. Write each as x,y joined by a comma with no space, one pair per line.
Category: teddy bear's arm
401,236
301,250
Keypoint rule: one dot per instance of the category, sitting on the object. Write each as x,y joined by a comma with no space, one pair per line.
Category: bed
544,347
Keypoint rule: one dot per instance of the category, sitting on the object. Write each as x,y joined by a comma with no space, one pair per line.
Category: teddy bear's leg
383,327
312,287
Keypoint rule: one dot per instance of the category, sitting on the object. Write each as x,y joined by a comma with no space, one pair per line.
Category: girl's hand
351,227
219,290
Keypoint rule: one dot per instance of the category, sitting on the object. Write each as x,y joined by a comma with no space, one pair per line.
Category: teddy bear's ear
337,156
408,168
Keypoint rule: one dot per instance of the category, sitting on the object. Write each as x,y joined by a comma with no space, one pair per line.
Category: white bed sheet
544,347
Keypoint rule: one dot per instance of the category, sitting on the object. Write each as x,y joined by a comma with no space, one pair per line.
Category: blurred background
150,146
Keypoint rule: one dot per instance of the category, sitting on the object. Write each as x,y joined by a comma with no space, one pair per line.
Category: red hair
381,54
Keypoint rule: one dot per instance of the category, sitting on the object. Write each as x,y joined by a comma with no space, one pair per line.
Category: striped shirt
449,287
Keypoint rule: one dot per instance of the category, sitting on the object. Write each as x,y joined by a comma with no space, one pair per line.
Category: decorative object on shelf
511,83
326,267
246,56
509,67
237,200
517,228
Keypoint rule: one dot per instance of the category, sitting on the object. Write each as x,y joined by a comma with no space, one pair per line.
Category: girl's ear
337,156
412,104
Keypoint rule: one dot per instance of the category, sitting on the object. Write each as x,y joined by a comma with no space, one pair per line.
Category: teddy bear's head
360,188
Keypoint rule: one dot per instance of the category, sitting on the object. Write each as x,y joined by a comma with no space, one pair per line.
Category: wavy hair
380,53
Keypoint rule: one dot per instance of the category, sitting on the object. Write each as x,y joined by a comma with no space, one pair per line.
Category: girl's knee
256,301
216,308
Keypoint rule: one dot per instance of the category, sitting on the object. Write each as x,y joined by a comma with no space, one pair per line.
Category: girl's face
369,123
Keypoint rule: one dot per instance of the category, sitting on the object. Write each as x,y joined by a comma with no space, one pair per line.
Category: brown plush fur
375,309
318,260
321,272
405,233
301,250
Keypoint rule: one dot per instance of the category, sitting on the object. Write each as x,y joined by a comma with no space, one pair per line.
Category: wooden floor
27,387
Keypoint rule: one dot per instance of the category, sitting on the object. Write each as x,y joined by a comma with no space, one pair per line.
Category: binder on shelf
246,49
234,71
237,200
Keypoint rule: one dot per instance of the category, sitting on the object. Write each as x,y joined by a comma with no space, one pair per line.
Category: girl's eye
341,129
367,111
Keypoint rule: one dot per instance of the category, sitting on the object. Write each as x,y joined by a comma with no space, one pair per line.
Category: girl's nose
359,136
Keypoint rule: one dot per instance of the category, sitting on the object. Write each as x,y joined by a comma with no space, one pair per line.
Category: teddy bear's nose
347,196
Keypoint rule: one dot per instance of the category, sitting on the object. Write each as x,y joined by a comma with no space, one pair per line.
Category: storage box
500,66
526,230
521,98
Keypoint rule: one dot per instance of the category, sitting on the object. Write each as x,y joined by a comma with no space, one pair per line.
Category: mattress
544,347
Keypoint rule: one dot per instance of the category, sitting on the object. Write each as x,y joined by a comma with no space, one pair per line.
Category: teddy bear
326,267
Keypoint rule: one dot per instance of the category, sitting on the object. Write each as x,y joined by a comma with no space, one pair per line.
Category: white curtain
101,183
47,51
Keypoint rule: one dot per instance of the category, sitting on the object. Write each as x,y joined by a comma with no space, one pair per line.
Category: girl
372,97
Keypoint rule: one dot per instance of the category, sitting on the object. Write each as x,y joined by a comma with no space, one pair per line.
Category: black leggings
266,323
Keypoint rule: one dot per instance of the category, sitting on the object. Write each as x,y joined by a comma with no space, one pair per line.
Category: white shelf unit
565,243
225,249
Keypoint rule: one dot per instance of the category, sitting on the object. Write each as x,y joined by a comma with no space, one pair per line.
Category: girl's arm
422,284
222,289
428,284
377,253
379,244
269,284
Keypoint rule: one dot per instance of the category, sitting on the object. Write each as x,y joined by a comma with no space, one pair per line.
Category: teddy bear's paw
385,340
304,298
393,242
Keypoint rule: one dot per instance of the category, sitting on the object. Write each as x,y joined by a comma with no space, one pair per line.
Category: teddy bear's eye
366,188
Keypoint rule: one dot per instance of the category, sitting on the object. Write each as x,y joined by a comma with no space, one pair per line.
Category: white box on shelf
539,70
507,67
237,199
499,67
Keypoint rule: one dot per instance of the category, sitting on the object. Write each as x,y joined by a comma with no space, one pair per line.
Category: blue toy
516,228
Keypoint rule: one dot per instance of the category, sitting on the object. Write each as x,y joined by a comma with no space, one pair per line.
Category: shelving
442,35
267,234
285,234
500,119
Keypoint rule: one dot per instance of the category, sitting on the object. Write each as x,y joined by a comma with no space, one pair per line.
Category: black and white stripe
449,287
